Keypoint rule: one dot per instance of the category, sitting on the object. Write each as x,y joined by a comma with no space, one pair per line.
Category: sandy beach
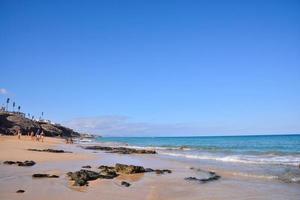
148,186
13,149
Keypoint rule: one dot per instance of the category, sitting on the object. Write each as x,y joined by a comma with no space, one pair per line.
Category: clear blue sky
155,67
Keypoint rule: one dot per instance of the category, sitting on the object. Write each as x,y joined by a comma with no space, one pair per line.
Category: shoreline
143,186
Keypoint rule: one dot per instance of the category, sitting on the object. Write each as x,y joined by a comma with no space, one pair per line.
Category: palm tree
14,104
19,108
7,102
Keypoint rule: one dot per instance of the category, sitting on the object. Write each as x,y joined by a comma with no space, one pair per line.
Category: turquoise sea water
260,144
267,149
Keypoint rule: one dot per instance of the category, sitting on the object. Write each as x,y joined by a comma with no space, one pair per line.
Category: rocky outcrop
82,177
26,163
86,167
10,123
129,169
50,130
44,176
50,150
121,150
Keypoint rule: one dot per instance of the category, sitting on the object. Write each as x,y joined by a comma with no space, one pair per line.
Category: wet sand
148,186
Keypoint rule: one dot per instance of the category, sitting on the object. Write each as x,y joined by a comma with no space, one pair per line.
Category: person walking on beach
32,135
19,134
37,135
42,136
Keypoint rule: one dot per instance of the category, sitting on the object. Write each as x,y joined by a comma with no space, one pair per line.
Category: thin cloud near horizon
118,126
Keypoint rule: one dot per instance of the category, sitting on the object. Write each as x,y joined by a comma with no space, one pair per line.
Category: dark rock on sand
107,172
50,150
20,191
86,166
129,169
132,169
44,176
162,171
26,163
121,150
82,177
149,170
9,162
126,184
212,176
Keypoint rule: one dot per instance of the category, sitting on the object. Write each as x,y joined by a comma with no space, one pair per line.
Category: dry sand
12,148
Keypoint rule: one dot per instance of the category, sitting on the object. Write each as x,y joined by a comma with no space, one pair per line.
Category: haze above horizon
154,68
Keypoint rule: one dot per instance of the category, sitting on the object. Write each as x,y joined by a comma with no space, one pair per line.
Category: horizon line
280,134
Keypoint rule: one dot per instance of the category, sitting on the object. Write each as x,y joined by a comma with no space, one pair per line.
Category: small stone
26,163
19,163
20,191
126,184
44,176
162,171
9,162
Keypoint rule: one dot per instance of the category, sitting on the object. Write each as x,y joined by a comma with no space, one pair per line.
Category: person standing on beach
32,135
19,134
37,135
42,136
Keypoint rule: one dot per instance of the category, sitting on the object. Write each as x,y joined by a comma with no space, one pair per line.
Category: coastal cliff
11,122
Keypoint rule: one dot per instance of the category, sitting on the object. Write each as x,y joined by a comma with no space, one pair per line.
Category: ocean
264,155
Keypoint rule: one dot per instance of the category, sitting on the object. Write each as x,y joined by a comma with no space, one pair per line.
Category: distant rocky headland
11,122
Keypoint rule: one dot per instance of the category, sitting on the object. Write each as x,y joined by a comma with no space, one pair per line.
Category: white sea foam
295,179
255,175
156,148
248,159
